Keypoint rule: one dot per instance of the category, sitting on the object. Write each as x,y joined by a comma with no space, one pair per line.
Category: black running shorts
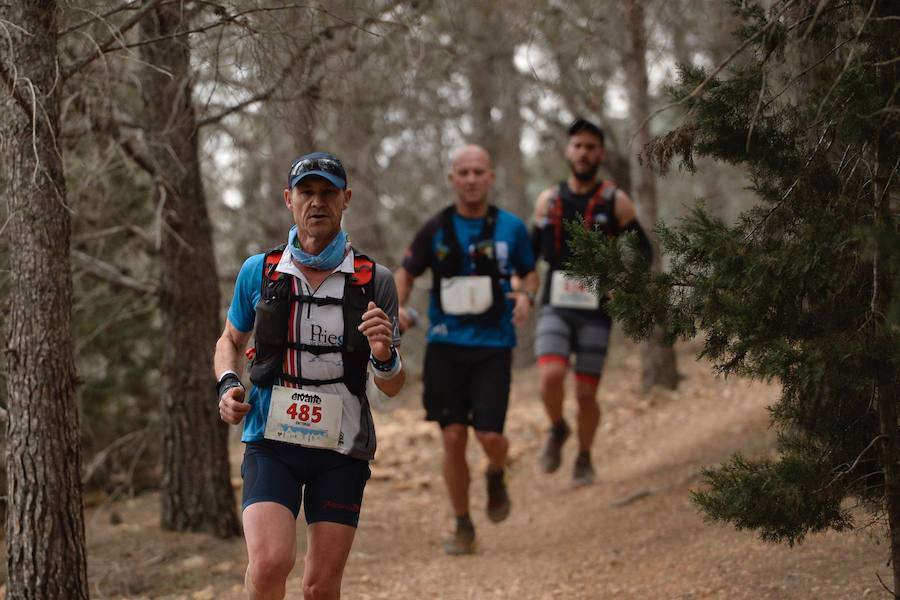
280,472
468,385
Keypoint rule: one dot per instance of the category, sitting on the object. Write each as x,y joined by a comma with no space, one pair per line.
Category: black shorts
468,385
280,472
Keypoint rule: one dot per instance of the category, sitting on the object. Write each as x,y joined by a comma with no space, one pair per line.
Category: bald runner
473,249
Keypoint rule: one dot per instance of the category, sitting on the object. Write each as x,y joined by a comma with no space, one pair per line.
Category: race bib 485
304,417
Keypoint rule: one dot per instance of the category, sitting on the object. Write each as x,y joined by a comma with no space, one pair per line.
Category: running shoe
551,456
462,541
583,473
498,504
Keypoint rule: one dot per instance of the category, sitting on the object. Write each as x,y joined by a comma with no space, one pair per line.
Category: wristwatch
385,365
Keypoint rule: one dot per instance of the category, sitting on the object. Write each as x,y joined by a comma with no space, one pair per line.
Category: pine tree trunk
358,135
196,487
886,396
481,21
44,522
658,365
887,390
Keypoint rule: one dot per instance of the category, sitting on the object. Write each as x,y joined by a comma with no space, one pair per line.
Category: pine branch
96,17
285,72
114,230
756,113
884,585
111,274
805,71
790,190
698,91
102,456
226,19
10,82
847,62
115,36
852,466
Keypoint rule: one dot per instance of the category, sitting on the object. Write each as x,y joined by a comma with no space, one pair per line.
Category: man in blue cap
321,313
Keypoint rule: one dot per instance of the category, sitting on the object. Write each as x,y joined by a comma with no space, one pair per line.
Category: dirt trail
632,535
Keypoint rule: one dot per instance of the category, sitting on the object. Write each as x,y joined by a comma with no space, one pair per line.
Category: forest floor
634,534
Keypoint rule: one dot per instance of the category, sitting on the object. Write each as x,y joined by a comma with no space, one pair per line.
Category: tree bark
196,486
886,388
362,221
482,20
887,382
658,365
46,556
886,397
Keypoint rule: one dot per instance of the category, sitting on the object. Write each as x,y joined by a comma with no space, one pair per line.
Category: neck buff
327,259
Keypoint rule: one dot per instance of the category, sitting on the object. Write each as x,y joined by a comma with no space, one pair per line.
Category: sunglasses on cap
328,165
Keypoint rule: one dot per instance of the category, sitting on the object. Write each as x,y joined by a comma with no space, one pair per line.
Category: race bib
470,295
568,292
304,417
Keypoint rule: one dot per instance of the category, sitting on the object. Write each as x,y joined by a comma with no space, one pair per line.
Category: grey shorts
562,331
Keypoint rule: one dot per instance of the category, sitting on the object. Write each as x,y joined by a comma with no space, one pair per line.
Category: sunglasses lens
318,164
301,167
330,166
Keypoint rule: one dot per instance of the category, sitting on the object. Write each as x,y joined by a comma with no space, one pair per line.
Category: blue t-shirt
242,314
325,325
512,247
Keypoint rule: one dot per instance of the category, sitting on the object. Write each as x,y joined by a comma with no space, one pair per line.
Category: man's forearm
227,357
404,282
531,282
393,385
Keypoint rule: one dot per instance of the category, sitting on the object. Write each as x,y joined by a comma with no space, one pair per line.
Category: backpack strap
603,199
555,216
359,290
594,203
447,264
270,264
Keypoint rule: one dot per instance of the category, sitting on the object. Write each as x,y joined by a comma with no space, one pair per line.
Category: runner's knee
455,437
270,570
321,588
586,389
490,438
553,372
587,399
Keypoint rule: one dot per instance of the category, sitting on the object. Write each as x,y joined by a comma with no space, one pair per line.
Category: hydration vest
273,310
598,215
450,264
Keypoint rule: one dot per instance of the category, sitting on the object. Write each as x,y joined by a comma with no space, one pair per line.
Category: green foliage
801,290
116,331
782,499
